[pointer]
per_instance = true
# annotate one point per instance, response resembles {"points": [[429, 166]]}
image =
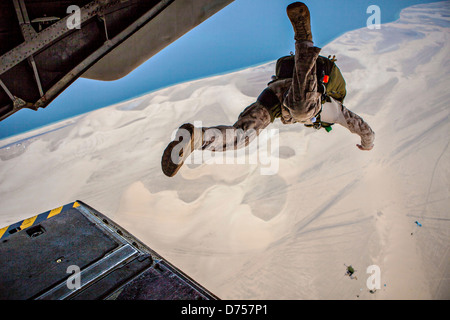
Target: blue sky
{"points": [[245, 33]]}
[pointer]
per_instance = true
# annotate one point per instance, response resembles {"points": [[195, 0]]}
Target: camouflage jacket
{"points": [[332, 112]]}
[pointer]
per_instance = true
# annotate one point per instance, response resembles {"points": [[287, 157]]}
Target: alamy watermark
{"points": [[74, 20], [374, 280], [230, 146], [374, 21], [74, 281]]}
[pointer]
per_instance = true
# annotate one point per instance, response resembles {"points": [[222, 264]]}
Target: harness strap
{"points": [[319, 123]]}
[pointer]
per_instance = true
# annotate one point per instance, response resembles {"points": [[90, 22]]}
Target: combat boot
{"points": [[300, 18], [187, 139]]}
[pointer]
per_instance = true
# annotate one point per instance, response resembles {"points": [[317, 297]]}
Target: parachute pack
{"points": [[331, 81]]}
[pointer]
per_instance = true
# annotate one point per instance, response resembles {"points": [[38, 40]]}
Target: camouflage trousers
{"points": [[250, 123], [303, 100], [299, 98]]}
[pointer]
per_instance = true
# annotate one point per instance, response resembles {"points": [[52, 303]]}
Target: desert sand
{"points": [[287, 235]]}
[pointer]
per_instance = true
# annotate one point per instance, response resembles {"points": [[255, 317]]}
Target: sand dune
{"points": [[244, 235]]}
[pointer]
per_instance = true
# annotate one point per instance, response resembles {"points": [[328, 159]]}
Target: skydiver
{"points": [[295, 100]]}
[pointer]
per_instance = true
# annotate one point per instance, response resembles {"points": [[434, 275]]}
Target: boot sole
{"points": [[296, 12], [295, 7], [169, 167]]}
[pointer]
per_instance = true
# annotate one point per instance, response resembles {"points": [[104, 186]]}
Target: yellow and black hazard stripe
{"points": [[21, 225]]}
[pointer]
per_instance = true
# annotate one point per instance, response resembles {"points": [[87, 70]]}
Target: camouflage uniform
{"points": [[299, 101], [291, 100]]}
